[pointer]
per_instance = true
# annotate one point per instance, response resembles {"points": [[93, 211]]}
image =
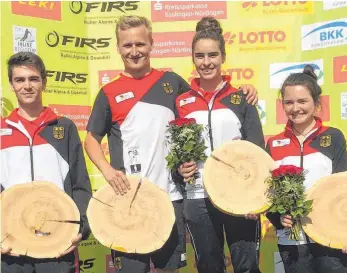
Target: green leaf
{"points": [[309, 203], [188, 147], [168, 158]]}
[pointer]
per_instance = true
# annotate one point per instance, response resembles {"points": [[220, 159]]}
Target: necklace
{"points": [[302, 134]]}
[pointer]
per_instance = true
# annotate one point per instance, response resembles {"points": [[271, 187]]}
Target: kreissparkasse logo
{"points": [[62, 76], [123, 6], [54, 39]]}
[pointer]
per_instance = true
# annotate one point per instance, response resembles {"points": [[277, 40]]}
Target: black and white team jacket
{"points": [[322, 153], [50, 152], [226, 115], [134, 114]]}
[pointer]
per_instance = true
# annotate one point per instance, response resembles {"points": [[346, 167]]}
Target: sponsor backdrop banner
{"points": [[265, 42]]}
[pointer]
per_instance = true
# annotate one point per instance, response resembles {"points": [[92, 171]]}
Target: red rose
{"points": [[276, 173], [293, 170], [286, 170], [189, 121], [177, 122], [182, 121]]}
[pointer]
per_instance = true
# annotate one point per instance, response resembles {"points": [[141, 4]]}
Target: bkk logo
{"points": [[123, 6], [280, 71], [334, 4], [252, 37], [325, 34], [61, 76], [53, 39]]}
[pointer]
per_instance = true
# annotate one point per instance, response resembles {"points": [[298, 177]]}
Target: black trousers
{"points": [[312, 258], [207, 225], [23, 264]]}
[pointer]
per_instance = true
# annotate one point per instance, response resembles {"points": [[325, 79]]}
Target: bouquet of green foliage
{"points": [[286, 192], [184, 136]]}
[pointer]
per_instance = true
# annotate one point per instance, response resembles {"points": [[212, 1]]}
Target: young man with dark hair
{"points": [[36, 144]]}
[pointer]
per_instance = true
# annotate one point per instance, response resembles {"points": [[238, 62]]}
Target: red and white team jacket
{"points": [[47, 149], [134, 114], [226, 115], [323, 153]]}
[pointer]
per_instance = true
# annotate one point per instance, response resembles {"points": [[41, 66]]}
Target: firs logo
{"points": [[61, 76], [54, 39], [122, 6]]}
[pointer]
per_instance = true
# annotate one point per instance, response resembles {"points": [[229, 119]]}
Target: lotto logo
{"points": [[340, 69]]}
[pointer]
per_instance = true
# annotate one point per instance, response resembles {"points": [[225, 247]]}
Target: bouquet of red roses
{"points": [[286, 192], [186, 143]]}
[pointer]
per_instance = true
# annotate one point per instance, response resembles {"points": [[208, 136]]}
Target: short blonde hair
{"points": [[132, 21]]}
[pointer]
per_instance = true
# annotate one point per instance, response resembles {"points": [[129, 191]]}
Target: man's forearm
{"points": [[95, 153]]}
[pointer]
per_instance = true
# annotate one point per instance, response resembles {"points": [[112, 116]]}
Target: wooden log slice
{"points": [[142, 229], [235, 177], [326, 223], [29, 219]]}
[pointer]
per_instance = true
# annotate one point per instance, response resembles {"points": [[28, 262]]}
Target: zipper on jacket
{"points": [[306, 238], [31, 161], [210, 127], [209, 107], [302, 154]]}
